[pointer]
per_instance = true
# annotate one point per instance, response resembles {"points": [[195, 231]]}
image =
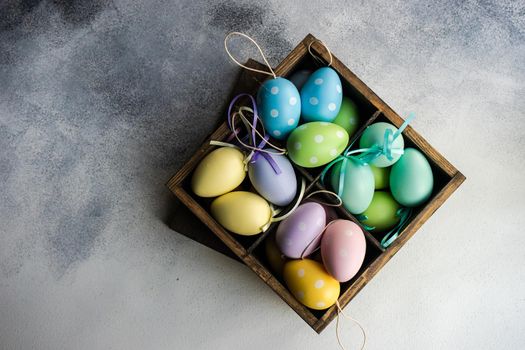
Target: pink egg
{"points": [[299, 234], [343, 249]]}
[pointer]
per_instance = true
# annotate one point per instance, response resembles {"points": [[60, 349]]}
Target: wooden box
{"points": [[250, 250]]}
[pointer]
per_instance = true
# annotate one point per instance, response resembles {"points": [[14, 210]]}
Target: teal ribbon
{"points": [[368, 155], [391, 236], [363, 217]]}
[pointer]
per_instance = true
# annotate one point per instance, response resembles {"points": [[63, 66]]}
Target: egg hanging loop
{"points": [[271, 72], [317, 58]]}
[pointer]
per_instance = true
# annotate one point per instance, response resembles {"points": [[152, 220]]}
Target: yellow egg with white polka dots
{"points": [[311, 284]]}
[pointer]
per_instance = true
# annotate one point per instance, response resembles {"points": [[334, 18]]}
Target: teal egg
{"points": [[411, 179], [279, 106], [321, 96], [374, 134], [358, 189]]}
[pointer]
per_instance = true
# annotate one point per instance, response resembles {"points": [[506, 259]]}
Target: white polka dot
{"points": [[352, 121], [314, 101], [291, 121], [340, 134], [275, 90], [288, 242], [343, 253], [319, 284], [331, 107], [277, 133], [313, 160], [318, 138], [318, 81], [303, 127], [338, 88], [301, 226], [297, 145], [320, 304], [292, 101], [300, 294], [349, 233], [274, 113], [300, 272], [333, 152]]}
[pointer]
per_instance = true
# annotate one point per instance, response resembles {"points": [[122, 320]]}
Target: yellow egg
{"points": [[245, 213], [311, 284], [219, 172]]}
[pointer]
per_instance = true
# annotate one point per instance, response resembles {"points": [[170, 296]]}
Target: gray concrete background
{"points": [[101, 101]]}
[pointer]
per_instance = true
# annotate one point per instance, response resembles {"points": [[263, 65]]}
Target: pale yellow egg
{"points": [[219, 172], [241, 212]]}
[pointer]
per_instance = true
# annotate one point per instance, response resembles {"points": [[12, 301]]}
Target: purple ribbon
{"points": [[258, 148]]}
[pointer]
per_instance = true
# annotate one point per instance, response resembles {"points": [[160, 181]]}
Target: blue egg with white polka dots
{"points": [[279, 106], [321, 96]]}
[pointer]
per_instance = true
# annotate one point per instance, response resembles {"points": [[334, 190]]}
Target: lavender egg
{"points": [[279, 189], [300, 234]]}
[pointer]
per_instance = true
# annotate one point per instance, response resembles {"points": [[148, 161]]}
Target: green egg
{"points": [[316, 143], [374, 134], [348, 117], [381, 213], [411, 179], [381, 177], [358, 188]]}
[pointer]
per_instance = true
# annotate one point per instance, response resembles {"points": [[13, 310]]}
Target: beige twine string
{"points": [[339, 200], [340, 312], [271, 72], [317, 58]]}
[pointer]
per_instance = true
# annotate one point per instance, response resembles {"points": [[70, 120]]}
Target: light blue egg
{"points": [[279, 106], [279, 189], [321, 96], [358, 188]]}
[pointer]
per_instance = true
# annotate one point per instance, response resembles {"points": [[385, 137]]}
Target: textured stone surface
{"points": [[101, 101]]}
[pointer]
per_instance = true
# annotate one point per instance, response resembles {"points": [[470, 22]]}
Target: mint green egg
{"points": [[358, 189], [348, 117], [411, 179], [381, 177], [316, 143], [381, 213], [374, 134]]}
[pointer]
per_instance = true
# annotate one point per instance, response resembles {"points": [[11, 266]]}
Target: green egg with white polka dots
{"points": [[316, 143]]}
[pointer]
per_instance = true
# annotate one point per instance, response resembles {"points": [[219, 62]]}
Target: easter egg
{"points": [[279, 106], [348, 117], [381, 177], [311, 284], [279, 189], [381, 213], [321, 96], [274, 256], [300, 77], [374, 134], [411, 179], [241, 212], [300, 233], [343, 248], [358, 186], [219, 172], [316, 143]]}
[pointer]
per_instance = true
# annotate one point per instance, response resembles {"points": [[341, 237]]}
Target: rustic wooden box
{"points": [[250, 250]]}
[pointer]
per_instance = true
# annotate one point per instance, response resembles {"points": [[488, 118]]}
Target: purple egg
{"points": [[331, 213], [279, 189], [299, 234]]}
